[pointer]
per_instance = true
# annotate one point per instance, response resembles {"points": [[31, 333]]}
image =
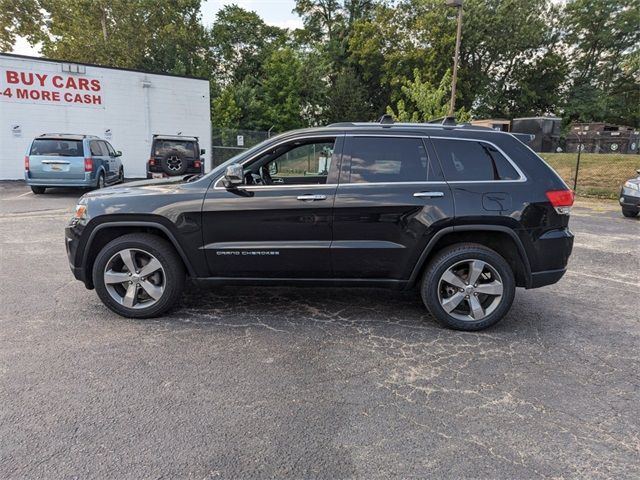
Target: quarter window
{"points": [[464, 160], [390, 159]]}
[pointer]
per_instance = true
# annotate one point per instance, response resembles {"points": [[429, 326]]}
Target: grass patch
{"points": [[601, 174]]}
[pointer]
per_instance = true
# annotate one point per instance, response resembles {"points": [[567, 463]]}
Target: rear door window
{"points": [[470, 160], [390, 159], [57, 147], [105, 148], [96, 149]]}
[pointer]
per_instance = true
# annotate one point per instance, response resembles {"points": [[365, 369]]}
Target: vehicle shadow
{"points": [[289, 309]]}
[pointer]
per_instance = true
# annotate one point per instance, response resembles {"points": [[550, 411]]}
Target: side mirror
{"points": [[273, 168], [118, 153], [233, 176], [202, 151], [638, 171]]}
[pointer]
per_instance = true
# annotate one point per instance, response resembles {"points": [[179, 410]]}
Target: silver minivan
{"points": [[66, 160]]}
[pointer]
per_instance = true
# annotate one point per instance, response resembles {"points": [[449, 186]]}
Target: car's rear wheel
{"points": [[468, 287], [627, 212], [121, 176], [138, 275], [100, 182], [38, 190]]}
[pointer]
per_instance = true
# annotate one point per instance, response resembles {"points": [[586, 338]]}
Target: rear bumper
{"points": [[552, 250], [87, 182], [549, 277]]}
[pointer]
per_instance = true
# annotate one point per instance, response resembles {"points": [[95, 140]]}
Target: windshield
{"points": [[162, 147], [57, 147]]}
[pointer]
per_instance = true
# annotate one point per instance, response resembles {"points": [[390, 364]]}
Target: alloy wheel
{"points": [[470, 290], [134, 278]]}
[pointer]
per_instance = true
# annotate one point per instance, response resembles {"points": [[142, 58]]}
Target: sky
{"points": [[273, 12]]}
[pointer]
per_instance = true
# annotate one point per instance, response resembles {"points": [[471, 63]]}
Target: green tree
{"points": [[603, 38], [241, 42], [422, 101], [158, 35]]}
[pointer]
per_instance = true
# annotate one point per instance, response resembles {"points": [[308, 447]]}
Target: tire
{"points": [[166, 280], [38, 190], [100, 182], [627, 212], [121, 176], [458, 260], [173, 163]]}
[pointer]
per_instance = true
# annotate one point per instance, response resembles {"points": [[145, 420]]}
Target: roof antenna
{"points": [[386, 119]]}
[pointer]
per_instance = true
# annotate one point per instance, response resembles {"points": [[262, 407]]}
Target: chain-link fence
{"points": [[227, 142]]}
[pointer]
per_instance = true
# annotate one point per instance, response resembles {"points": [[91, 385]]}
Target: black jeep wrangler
{"points": [[465, 213], [174, 155]]}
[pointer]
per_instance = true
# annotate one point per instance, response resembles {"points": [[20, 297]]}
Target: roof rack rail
{"points": [[447, 121]]}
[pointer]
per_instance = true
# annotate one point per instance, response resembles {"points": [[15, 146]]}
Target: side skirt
{"points": [[303, 282]]}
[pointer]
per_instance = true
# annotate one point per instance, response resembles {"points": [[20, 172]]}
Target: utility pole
{"points": [[454, 79]]}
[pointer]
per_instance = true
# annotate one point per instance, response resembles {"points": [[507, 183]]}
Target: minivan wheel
{"points": [[468, 287], [100, 182], [38, 190], [138, 275]]}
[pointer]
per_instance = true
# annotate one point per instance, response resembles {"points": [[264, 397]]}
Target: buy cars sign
{"points": [[40, 87]]}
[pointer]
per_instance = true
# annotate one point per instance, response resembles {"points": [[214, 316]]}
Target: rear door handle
{"points": [[429, 194], [311, 198]]}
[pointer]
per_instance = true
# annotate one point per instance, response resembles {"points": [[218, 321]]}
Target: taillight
{"points": [[152, 162], [196, 164], [26, 163], [88, 164], [562, 200]]}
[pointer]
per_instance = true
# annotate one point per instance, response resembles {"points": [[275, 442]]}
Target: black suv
{"points": [[174, 155], [464, 213]]}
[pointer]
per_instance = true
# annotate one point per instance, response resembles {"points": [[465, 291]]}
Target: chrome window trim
{"points": [[287, 140], [438, 182], [523, 177]]}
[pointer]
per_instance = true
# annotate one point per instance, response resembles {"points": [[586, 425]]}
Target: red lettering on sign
{"points": [[95, 85], [57, 81], [41, 78], [55, 96], [12, 77], [22, 93], [97, 100], [83, 84], [71, 83], [68, 97]]}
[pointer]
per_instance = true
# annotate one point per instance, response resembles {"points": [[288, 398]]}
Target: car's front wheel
{"points": [[468, 287], [138, 275], [628, 212], [38, 190]]}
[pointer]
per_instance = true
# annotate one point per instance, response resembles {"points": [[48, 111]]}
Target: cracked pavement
{"points": [[318, 383]]}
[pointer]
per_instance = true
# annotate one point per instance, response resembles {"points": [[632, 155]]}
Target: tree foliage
{"points": [[357, 59]]}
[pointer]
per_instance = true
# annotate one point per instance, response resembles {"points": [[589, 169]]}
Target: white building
{"points": [[125, 107]]}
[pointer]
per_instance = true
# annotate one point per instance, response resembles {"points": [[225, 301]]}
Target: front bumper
{"points": [[72, 235], [629, 198]]}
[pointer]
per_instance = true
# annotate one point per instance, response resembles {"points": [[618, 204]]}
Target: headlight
{"points": [[632, 186]]}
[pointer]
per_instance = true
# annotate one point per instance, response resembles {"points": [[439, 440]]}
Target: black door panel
{"points": [[380, 228], [278, 230]]}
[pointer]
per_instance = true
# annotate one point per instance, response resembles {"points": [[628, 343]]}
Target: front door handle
{"points": [[429, 194], [311, 198]]}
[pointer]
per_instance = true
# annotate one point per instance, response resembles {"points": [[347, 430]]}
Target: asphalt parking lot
{"points": [[327, 383]]}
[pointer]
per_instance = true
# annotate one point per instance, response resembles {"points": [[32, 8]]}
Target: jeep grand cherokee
{"points": [[466, 214]]}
